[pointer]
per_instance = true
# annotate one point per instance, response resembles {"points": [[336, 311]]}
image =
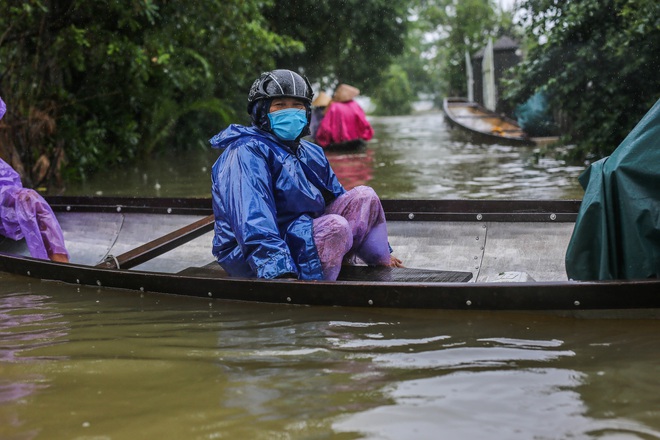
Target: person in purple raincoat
{"points": [[280, 211], [25, 214]]}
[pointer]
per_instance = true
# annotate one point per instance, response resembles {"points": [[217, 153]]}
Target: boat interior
{"points": [[472, 116], [489, 250]]}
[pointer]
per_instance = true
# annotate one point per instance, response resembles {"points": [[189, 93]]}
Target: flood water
{"points": [[410, 157], [87, 363]]}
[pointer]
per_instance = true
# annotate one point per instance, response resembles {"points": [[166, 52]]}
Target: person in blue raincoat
{"points": [[280, 211]]}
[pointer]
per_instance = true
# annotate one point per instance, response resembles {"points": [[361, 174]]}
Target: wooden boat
{"points": [[355, 145], [479, 254], [482, 124]]}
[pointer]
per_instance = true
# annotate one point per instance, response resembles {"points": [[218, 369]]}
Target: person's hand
{"points": [[395, 262], [58, 258]]}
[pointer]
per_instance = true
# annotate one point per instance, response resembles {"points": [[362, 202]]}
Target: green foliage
{"points": [[120, 79], [92, 84], [351, 41], [598, 62], [459, 26], [409, 76], [394, 96]]}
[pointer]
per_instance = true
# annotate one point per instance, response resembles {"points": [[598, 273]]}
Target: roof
{"points": [[502, 44]]}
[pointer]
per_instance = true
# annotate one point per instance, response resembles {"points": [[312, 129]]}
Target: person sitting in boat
{"points": [[344, 121], [319, 106], [25, 214], [280, 211]]}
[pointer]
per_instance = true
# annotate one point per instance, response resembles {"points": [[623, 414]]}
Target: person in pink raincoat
{"points": [[25, 214], [344, 120]]}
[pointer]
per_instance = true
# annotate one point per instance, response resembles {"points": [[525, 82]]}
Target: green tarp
{"points": [[617, 232], [534, 116]]}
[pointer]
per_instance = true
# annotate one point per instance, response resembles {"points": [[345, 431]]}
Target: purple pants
{"points": [[25, 214], [353, 226]]}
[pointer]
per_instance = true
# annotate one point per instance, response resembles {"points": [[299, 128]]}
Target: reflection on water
{"points": [[508, 404], [27, 323], [117, 365], [421, 157], [415, 156], [353, 169], [84, 363]]}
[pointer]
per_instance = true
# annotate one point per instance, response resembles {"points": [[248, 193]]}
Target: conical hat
{"points": [[345, 93], [322, 100]]}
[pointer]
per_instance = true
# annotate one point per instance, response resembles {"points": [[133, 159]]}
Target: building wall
{"points": [[504, 58]]}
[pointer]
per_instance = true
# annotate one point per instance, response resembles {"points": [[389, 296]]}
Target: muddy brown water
{"points": [[87, 363]]}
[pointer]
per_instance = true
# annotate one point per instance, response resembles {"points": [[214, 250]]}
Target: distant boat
{"points": [[347, 146], [482, 124]]}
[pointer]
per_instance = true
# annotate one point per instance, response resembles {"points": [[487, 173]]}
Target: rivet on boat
{"points": [[288, 298], [141, 289], [479, 216], [553, 216], [169, 210], [477, 238], [98, 282], [77, 280], [210, 294], [576, 303], [118, 208], [468, 302], [411, 216], [68, 208], [28, 272], [370, 302]]}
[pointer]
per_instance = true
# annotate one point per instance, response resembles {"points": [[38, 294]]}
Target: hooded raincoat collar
{"points": [[232, 133]]}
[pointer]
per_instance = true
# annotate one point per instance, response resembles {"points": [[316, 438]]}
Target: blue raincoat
{"points": [[264, 199]]}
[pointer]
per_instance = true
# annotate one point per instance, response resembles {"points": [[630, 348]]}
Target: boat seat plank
{"points": [[359, 273], [402, 275], [211, 270]]}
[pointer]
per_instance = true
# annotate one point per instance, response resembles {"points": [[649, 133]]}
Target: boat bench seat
{"points": [[359, 273]]}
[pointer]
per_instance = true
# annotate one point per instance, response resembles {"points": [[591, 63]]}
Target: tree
{"points": [[394, 96], [411, 75], [352, 41], [459, 26], [99, 83], [597, 61]]}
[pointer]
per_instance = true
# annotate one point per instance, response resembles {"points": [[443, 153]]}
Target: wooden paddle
{"points": [[159, 246]]}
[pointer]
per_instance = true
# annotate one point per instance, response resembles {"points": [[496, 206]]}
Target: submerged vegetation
{"points": [[91, 85]]}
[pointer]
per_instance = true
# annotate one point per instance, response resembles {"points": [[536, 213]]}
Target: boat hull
{"points": [[480, 237], [567, 296], [483, 125]]}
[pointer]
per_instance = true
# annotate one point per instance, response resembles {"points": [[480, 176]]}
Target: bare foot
{"points": [[395, 262], [59, 258]]}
